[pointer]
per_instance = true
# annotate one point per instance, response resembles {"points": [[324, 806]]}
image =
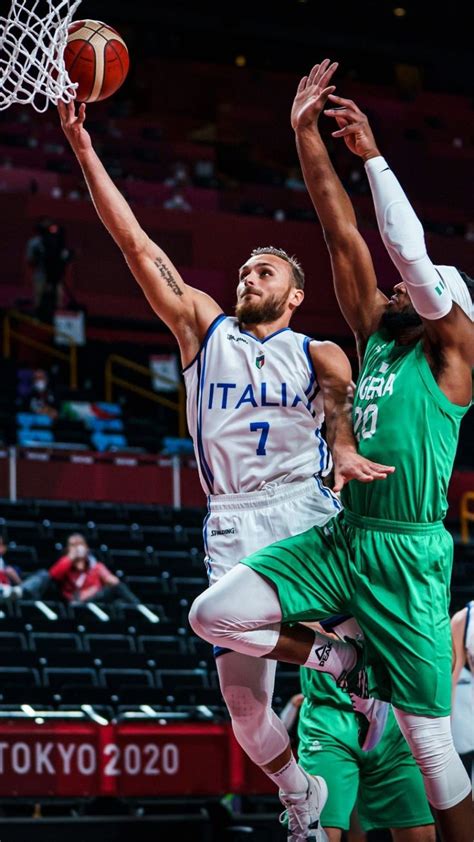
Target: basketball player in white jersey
{"points": [[462, 717], [462, 630], [257, 394]]}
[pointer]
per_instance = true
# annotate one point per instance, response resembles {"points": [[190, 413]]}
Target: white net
{"points": [[32, 42]]}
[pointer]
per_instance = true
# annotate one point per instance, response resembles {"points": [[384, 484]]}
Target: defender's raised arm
{"points": [[353, 272]]}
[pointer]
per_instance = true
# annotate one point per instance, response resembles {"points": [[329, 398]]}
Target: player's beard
{"points": [[253, 312], [398, 322]]}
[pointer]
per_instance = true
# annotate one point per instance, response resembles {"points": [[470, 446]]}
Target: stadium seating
{"points": [[120, 663]]}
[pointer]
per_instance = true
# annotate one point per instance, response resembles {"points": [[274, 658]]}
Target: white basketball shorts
{"points": [[237, 525]]}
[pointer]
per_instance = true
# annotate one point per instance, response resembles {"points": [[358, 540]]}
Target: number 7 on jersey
{"points": [[264, 426]]}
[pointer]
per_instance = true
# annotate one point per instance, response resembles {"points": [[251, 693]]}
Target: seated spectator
{"points": [[81, 578], [78, 576], [41, 400], [9, 576]]}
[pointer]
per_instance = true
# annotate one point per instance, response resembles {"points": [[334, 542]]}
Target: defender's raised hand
{"points": [[353, 127], [312, 94], [72, 125]]}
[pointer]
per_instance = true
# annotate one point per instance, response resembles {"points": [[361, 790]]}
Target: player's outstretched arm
{"points": [[353, 272], [431, 288], [187, 312], [333, 371]]}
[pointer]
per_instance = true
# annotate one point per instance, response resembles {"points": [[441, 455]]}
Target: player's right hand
{"points": [[348, 465], [72, 125], [312, 95]]}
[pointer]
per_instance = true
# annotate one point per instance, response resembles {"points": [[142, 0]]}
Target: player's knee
{"points": [[432, 745], [243, 704], [207, 617], [202, 616], [256, 727]]}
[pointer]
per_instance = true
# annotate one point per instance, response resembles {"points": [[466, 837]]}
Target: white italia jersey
{"points": [[254, 409]]}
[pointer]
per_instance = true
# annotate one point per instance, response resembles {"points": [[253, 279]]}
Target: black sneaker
{"points": [[371, 713]]}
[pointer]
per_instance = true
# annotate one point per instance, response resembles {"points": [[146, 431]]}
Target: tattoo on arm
{"points": [[167, 276]]}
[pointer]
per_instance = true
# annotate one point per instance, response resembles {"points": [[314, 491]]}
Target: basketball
{"points": [[96, 57]]}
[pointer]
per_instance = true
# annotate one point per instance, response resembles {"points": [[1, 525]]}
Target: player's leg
{"points": [[371, 713], [247, 686], [355, 832], [414, 834], [328, 746], [447, 785], [247, 683], [301, 578], [391, 793], [334, 834], [401, 597], [242, 612]]}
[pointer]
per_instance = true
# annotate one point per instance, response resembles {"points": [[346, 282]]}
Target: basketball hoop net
{"points": [[32, 46]]}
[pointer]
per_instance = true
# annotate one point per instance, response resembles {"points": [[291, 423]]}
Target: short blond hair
{"points": [[296, 268]]}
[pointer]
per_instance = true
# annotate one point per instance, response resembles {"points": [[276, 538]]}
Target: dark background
{"points": [[367, 37]]}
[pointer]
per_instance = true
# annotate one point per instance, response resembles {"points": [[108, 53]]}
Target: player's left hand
{"points": [[353, 125], [312, 95], [348, 464]]}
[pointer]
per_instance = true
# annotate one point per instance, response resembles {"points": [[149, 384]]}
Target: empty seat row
{"points": [[101, 513], [113, 535], [113, 678], [26, 685]]}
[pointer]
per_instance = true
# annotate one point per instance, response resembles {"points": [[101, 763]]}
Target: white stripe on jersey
{"points": [[469, 635], [254, 409]]}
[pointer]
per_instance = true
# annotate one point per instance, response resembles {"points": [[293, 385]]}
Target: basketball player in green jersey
{"points": [[386, 559], [385, 783]]}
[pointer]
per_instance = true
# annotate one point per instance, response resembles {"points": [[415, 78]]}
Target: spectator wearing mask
{"points": [[80, 577], [41, 400]]}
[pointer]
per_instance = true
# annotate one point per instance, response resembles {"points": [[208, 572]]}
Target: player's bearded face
{"points": [[260, 307], [400, 314], [396, 322]]}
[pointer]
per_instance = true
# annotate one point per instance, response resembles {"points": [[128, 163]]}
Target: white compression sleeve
{"points": [[445, 778], [403, 237]]}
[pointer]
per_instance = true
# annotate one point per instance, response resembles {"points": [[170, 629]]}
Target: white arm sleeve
{"points": [[403, 237]]}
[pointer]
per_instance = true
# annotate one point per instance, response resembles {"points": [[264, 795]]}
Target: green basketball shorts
{"points": [[393, 577], [385, 783]]}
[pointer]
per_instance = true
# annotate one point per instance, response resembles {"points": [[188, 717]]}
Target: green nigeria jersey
{"points": [[402, 418], [321, 689]]}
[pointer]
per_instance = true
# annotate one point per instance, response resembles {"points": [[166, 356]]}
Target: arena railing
{"points": [[112, 379], [10, 332], [466, 514]]}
